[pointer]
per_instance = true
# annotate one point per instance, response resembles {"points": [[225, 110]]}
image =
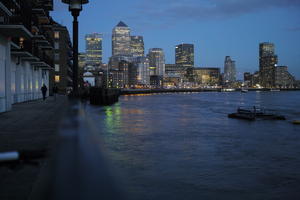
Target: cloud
{"points": [[207, 9]]}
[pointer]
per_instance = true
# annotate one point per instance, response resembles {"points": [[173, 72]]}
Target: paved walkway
{"points": [[29, 126]]}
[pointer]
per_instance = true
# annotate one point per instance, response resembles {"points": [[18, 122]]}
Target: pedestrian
{"points": [[55, 91], [44, 91]]}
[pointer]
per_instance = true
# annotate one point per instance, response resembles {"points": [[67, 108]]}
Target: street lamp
{"points": [[75, 6]]}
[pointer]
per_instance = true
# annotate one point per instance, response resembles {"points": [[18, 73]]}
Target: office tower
{"points": [[121, 40], [229, 70], [93, 46], [143, 73], [81, 60], [184, 55], [267, 63], [137, 46], [156, 62]]}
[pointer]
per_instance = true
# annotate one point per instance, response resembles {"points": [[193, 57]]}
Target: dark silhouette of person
{"points": [[44, 91], [55, 91]]}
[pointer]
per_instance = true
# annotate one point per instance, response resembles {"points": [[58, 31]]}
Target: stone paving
{"points": [[28, 126]]}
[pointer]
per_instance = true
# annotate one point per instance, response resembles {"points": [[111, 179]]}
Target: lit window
{"points": [[56, 35], [57, 79], [56, 67]]}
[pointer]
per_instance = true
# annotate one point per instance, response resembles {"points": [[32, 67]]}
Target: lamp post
{"points": [[75, 6]]}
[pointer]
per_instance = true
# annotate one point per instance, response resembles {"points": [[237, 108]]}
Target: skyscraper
{"points": [[184, 55], [93, 47], [143, 76], [121, 40], [156, 62], [137, 46], [267, 63], [229, 70]]}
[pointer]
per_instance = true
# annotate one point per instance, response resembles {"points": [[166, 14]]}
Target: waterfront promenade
{"points": [[28, 126]]}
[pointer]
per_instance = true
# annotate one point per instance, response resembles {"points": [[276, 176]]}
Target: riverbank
{"points": [[153, 91], [29, 126]]}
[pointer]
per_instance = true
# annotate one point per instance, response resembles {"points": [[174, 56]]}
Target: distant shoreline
{"points": [[155, 91]]}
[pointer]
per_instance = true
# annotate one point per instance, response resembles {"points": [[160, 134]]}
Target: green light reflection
{"points": [[113, 117]]}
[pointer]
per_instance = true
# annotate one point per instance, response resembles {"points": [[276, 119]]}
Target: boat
{"points": [[255, 113], [228, 90], [275, 90], [243, 90], [296, 122]]}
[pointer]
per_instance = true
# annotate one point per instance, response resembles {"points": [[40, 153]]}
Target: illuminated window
{"points": [[57, 79], [56, 35], [56, 67]]}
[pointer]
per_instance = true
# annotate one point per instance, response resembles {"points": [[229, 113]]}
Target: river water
{"points": [[183, 146]]}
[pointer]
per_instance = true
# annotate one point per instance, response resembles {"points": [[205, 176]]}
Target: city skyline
{"points": [[213, 38]]}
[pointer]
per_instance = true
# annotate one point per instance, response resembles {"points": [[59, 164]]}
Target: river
{"points": [[182, 146]]}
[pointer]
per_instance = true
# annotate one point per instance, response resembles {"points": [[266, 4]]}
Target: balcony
{"points": [[19, 22], [42, 15], [45, 4]]}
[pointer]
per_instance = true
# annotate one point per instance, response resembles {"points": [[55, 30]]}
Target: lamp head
{"points": [[75, 5]]}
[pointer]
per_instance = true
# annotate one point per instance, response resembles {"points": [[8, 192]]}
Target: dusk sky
{"points": [[217, 28]]}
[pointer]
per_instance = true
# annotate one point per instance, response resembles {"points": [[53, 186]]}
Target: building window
{"points": [[56, 35], [57, 79], [56, 67], [56, 45], [56, 56]]}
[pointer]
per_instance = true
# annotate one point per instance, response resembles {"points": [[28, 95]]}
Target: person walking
{"points": [[44, 91], [55, 91]]}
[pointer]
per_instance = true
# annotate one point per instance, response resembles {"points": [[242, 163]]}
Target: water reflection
{"points": [[183, 146]]}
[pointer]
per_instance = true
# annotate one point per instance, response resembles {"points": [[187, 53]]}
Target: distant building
{"points": [[174, 75], [93, 48], [184, 55], [137, 46], [157, 62], [121, 40], [115, 60], [229, 70], [124, 74], [156, 81], [267, 63], [206, 76], [63, 63], [283, 79], [81, 60], [143, 71]]}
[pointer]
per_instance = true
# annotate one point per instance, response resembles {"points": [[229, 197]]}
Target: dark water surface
{"points": [[183, 146]]}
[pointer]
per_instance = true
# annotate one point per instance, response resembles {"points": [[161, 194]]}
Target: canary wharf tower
{"points": [[121, 40]]}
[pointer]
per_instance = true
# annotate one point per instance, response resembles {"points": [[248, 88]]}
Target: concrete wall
{"points": [[5, 91]]}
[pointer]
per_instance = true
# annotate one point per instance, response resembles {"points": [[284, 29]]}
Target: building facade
{"points": [[137, 46], [143, 71], [93, 49], [63, 63], [267, 63], [26, 50], [156, 58], [229, 70], [121, 40], [283, 79], [207, 76], [184, 55]]}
